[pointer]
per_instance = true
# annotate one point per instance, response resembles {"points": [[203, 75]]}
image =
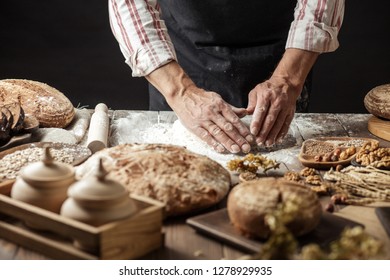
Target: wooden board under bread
{"points": [[379, 127], [217, 225]]}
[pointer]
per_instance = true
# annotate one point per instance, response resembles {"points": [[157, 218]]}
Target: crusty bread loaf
{"points": [[249, 202], [183, 180], [51, 107], [377, 101]]}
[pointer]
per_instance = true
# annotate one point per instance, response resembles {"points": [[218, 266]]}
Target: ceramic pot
{"points": [[44, 183], [97, 200]]}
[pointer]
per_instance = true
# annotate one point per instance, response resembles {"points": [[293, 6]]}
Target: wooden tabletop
{"points": [[183, 242]]}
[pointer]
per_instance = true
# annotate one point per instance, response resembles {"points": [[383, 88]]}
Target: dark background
{"points": [[69, 45]]}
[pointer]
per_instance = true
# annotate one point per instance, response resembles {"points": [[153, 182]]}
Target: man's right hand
{"points": [[202, 112]]}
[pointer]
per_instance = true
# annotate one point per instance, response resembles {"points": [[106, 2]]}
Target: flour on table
{"points": [[52, 134], [72, 134], [138, 129]]}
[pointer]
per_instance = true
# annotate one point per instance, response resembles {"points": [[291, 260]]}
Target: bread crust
{"points": [[249, 202], [377, 101], [183, 180], [51, 107]]}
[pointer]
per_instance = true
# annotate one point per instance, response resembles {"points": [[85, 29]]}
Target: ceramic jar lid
{"points": [[47, 170], [97, 200], [98, 188]]}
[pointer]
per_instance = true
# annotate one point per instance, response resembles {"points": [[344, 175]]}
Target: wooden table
{"points": [[183, 242]]}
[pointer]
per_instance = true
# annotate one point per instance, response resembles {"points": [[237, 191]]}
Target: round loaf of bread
{"points": [[377, 101], [184, 181], [249, 202], [50, 106]]}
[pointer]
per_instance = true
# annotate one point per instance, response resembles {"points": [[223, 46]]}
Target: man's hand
{"points": [[204, 113], [273, 106], [213, 120], [272, 102]]}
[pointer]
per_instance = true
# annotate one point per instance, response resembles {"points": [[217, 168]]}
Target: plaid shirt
{"points": [[145, 43]]}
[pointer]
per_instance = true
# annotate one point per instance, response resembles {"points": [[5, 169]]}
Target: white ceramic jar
{"points": [[44, 183], [97, 200]]}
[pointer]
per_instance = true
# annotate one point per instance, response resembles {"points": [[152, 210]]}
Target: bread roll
{"points": [[249, 202], [184, 181], [377, 101], [51, 107]]}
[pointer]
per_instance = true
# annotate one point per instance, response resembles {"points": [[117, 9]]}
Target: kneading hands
{"points": [[216, 122]]}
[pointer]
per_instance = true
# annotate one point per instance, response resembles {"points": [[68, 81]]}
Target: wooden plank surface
{"points": [[183, 242]]}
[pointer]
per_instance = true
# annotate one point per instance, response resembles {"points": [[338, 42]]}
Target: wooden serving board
{"points": [[217, 225], [379, 127]]}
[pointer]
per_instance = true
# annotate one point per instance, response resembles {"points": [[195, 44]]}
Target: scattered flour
{"points": [[138, 129]]}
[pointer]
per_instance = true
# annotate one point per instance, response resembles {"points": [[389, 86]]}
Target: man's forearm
{"points": [[294, 66], [170, 80]]}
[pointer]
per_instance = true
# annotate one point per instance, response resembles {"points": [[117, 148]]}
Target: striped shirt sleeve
{"points": [[141, 34], [316, 25]]}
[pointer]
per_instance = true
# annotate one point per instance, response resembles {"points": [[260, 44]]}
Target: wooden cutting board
{"points": [[379, 127], [216, 224]]}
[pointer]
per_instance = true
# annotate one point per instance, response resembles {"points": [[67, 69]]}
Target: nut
{"points": [[307, 171], [313, 180], [334, 158], [339, 167], [343, 155], [292, 176]]}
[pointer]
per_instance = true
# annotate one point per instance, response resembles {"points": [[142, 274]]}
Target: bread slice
{"points": [[17, 114], [5, 127]]}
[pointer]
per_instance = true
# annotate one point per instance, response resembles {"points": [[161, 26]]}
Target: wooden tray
{"points": [[124, 239], [337, 142], [217, 225]]}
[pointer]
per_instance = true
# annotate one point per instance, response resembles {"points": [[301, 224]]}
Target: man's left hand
{"points": [[272, 104]]}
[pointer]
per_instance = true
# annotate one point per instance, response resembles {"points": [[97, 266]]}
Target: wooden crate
{"points": [[129, 238]]}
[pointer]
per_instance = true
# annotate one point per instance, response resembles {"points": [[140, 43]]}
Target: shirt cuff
{"points": [[145, 60], [313, 36]]}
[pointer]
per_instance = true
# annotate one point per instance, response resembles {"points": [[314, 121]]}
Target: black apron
{"points": [[227, 46]]}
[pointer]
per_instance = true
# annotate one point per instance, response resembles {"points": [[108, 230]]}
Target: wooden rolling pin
{"points": [[98, 128]]}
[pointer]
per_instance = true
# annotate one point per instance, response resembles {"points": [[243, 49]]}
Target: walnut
{"points": [[374, 156], [307, 171], [292, 176], [320, 190], [313, 180]]}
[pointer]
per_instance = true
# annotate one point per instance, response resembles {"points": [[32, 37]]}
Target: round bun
{"points": [[184, 181], [377, 101], [51, 107], [249, 202]]}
